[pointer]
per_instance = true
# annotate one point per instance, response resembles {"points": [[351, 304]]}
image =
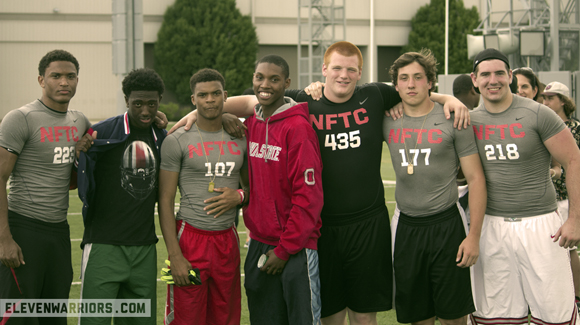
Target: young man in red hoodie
{"points": [[283, 214]]}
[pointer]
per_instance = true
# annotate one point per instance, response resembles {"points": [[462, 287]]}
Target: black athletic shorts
{"points": [[427, 279], [356, 266], [48, 273], [292, 297]]}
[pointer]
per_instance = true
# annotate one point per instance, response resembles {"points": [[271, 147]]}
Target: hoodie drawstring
{"points": [[267, 122]]}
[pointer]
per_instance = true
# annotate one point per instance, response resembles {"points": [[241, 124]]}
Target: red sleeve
{"points": [[305, 175]]}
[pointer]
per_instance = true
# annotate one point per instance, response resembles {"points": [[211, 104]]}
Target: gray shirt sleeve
{"points": [[171, 154], [464, 141], [549, 123], [14, 131]]}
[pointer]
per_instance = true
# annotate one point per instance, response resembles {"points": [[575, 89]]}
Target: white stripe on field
{"points": [[385, 183], [158, 280], [239, 232], [158, 236], [80, 213], [78, 283]]}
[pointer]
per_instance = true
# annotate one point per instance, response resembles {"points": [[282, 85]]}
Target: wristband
{"points": [[242, 196]]}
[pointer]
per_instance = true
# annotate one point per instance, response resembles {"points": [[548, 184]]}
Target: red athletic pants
{"points": [[218, 299]]}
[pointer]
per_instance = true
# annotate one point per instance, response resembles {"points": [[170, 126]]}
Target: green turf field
{"points": [[76, 225]]}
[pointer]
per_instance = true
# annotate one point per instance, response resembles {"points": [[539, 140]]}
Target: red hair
{"points": [[346, 49]]}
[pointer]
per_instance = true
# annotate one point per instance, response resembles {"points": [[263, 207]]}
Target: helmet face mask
{"points": [[138, 170]]}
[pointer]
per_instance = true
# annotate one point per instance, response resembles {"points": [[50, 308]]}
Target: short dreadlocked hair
{"points": [[143, 80]]}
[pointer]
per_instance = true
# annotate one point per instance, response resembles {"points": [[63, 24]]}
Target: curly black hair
{"points": [[143, 79], [206, 75], [56, 55], [462, 85]]}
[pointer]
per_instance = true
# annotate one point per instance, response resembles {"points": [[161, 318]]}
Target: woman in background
{"points": [[528, 83]]}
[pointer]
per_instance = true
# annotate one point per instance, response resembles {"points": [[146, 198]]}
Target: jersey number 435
{"points": [[343, 141]]}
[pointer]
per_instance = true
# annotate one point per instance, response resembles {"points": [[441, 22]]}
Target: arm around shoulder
{"points": [[452, 104], [241, 106]]}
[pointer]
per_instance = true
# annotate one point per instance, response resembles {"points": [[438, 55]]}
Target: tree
{"points": [[428, 31], [198, 34]]}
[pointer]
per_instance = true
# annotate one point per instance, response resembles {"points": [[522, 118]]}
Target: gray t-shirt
{"points": [[435, 155], [515, 161], [44, 141], [184, 152]]}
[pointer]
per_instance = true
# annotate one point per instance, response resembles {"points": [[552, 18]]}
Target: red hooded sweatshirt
{"points": [[285, 169]]}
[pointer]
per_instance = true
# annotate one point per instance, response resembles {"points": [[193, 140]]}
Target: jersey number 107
{"points": [[220, 168]]}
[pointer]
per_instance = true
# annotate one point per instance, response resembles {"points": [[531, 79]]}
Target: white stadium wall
{"points": [[30, 28]]}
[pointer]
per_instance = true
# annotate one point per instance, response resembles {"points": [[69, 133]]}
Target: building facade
{"points": [[30, 28]]}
